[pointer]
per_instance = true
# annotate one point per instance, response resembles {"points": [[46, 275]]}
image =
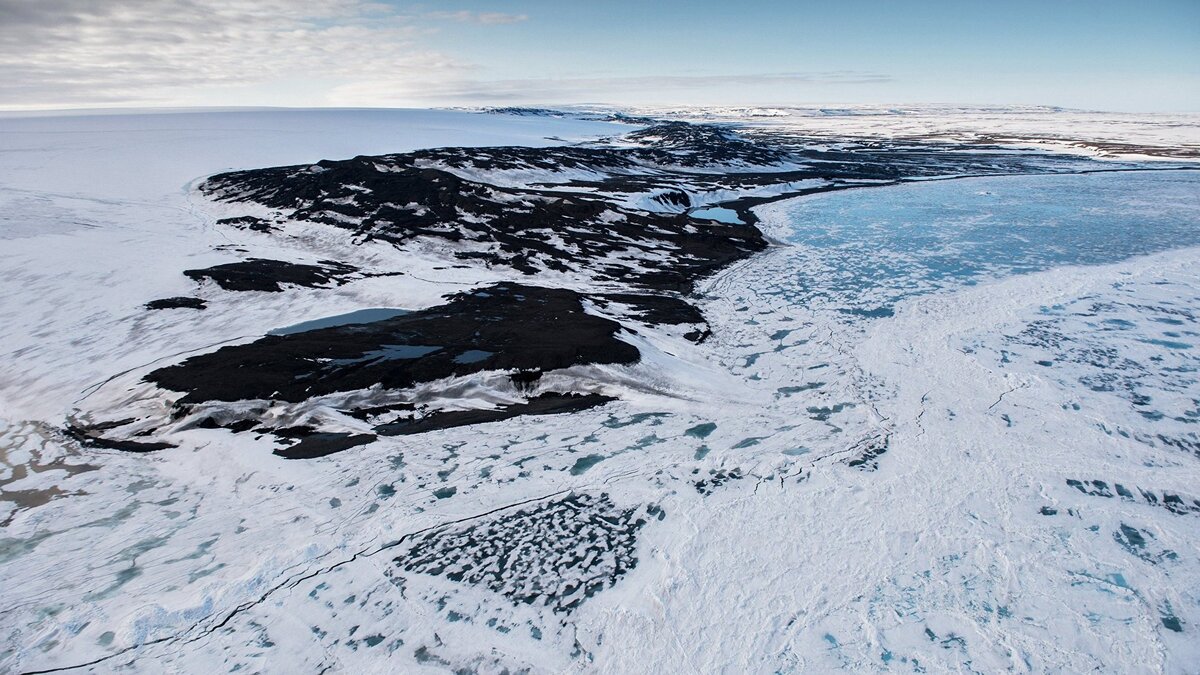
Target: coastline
{"points": [[747, 456]]}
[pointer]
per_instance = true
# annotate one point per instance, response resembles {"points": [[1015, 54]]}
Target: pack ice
{"points": [[592, 390]]}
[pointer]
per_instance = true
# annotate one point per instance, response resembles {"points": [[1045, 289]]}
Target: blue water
{"points": [[719, 214], [472, 356], [866, 248], [388, 353], [358, 316]]}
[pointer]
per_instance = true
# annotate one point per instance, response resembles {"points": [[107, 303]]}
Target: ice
{"points": [[472, 356], [357, 316], [718, 213], [949, 426], [1088, 132], [863, 250]]}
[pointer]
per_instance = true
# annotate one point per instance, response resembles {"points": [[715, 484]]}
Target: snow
{"points": [[773, 539], [1061, 130], [149, 155], [100, 207]]}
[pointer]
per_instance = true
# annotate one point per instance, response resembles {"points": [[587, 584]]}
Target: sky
{"points": [[1129, 55]]}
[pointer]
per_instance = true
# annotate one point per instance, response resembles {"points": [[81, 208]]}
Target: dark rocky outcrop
{"points": [[258, 274], [502, 327], [550, 403], [392, 199], [177, 303]]}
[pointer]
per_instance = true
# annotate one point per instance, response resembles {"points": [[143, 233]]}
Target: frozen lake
{"points": [[1012, 365], [719, 214], [865, 249], [349, 318]]}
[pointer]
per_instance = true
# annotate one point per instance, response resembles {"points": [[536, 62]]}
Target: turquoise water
{"points": [[867, 248], [719, 214]]}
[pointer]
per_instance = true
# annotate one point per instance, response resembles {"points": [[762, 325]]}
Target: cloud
{"points": [[66, 52], [614, 89], [487, 18], [301, 52]]}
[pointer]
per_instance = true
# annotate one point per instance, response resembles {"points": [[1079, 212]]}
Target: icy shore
{"points": [[997, 473]]}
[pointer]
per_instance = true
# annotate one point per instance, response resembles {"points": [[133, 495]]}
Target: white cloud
{"points": [[488, 18], [300, 52], [574, 89], [64, 52]]}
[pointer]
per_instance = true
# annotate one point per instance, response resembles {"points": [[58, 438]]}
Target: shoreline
{"points": [[734, 465]]}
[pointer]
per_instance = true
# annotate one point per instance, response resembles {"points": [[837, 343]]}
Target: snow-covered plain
{"points": [[97, 217], [1124, 135], [879, 460]]}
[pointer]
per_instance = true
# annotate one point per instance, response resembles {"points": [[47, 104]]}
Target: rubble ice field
{"points": [[640, 391]]}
